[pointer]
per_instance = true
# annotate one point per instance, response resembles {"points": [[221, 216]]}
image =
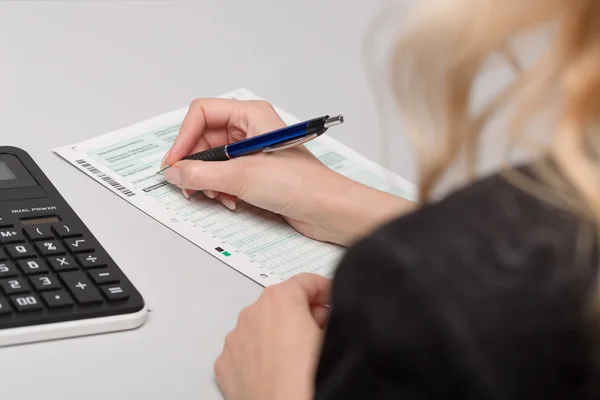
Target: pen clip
{"points": [[290, 144]]}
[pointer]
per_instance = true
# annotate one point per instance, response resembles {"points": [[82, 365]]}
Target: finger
{"points": [[232, 120], [187, 193], [222, 371], [202, 114], [320, 314], [219, 176], [316, 288], [227, 200]]}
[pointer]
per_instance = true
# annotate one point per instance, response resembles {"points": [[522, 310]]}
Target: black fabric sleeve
{"points": [[478, 296], [383, 339]]}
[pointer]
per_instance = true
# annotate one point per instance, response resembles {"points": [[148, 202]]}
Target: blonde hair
{"points": [[442, 53]]}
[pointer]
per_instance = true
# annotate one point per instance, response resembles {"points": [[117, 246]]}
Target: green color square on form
{"points": [[226, 253]]}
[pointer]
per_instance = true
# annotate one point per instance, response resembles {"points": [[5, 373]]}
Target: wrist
{"points": [[354, 210]]}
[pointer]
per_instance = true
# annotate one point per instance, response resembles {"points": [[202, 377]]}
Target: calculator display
{"points": [[5, 172], [42, 220]]}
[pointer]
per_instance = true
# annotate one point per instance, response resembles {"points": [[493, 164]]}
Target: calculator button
{"points": [[45, 282], [31, 267], [115, 292], [4, 307], [57, 299], [91, 260], [104, 275], [41, 232], [78, 245], [14, 286], [3, 255], [11, 236], [6, 222], [17, 251], [62, 263], [65, 230], [49, 247], [7, 270], [83, 290], [26, 302]]}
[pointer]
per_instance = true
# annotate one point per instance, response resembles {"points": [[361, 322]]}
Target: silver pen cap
{"points": [[333, 121]]}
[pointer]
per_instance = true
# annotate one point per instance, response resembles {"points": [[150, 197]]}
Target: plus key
{"points": [[83, 290]]}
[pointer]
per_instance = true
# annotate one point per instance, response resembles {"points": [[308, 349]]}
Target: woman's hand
{"points": [[273, 351], [315, 200]]}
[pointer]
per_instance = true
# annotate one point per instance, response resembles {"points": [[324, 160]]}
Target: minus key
{"points": [[103, 276]]}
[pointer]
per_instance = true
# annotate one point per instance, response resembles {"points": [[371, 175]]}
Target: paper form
{"points": [[259, 244]]}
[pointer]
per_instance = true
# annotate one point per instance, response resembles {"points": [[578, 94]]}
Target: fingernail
{"points": [[172, 175], [209, 194], [227, 202], [162, 163], [185, 193]]}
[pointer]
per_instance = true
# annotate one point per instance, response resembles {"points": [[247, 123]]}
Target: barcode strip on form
{"points": [[105, 178]]}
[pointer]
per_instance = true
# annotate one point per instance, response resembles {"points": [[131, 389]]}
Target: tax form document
{"points": [[259, 244]]}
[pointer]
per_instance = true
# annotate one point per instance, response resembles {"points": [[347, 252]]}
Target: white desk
{"points": [[73, 69]]}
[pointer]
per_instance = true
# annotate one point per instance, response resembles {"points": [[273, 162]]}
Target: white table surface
{"points": [[70, 70]]}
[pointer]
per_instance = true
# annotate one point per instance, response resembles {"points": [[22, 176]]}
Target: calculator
{"points": [[56, 279]]}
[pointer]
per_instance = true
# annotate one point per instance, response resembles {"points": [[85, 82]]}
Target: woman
{"points": [[489, 293]]}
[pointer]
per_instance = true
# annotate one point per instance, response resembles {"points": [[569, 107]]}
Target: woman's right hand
{"points": [[315, 200]]}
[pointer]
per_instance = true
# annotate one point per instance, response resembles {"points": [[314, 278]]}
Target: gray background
{"points": [[75, 69]]}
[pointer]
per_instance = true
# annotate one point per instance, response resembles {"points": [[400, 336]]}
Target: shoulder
{"points": [[488, 277], [489, 247], [491, 221]]}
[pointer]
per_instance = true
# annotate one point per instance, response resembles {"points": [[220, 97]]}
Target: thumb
{"points": [[219, 176], [314, 289], [320, 313]]}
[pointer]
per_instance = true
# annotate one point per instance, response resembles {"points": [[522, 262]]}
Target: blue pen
{"points": [[280, 139]]}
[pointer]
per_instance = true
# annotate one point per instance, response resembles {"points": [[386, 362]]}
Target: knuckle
{"points": [[196, 103], [218, 366], [243, 316], [271, 292], [264, 106], [189, 175], [229, 340]]}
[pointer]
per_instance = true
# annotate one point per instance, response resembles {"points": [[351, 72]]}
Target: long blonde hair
{"points": [[440, 56], [435, 67]]}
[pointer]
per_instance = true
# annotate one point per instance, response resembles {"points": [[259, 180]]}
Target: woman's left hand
{"points": [[273, 351]]}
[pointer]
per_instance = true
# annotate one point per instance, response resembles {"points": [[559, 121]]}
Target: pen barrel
{"points": [[215, 154], [256, 144]]}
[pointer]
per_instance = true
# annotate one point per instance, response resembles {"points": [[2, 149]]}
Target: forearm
{"points": [[355, 210]]}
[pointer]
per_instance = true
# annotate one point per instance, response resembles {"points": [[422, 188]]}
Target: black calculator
{"points": [[56, 279]]}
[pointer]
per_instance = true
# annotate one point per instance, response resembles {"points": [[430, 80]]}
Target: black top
{"points": [[479, 296]]}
